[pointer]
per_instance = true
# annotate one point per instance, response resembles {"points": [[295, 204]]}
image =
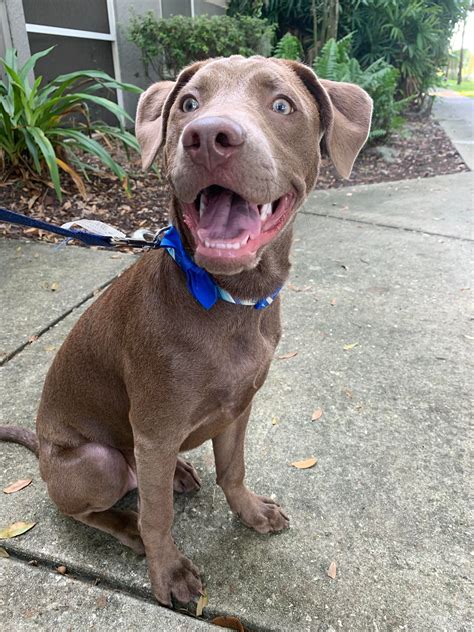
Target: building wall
{"points": [[130, 63], [176, 7], [5, 39], [12, 29], [218, 7], [130, 68]]}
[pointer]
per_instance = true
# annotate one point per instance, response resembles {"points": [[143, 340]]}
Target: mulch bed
{"points": [[419, 150]]}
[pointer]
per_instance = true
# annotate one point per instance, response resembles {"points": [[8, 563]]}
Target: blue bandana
{"points": [[199, 282]]}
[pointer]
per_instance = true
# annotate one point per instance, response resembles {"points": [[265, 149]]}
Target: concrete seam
{"points": [[54, 322], [379, 225], [75, 573]]}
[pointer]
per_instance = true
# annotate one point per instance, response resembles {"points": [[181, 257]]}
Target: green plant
{"points": [[167, 45], [312, 21], [44, 128], [379, 80], [245, 7], [289, 47], [412, 35]]}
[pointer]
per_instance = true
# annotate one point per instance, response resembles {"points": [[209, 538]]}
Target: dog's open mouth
{"points": [[224, 224]]}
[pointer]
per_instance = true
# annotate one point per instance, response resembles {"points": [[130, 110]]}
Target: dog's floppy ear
{"points": [[153, 111], [148, 122], [346, 113]]}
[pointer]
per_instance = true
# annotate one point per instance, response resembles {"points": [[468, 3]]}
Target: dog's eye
{"points": [[189, 105], [282, 106]]}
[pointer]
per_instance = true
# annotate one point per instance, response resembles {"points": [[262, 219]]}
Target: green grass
{"points": [[466, 88]]}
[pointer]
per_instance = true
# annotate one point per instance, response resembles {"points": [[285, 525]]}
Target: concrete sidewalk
{"points": [[379, 309], [456, 115]]}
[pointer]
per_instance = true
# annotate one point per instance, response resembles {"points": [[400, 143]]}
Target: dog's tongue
{"points": [[227, 216]]}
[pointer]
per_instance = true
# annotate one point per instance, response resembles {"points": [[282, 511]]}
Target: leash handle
{"points": [[88, 238]]}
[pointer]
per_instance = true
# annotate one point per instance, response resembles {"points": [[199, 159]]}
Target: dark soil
{"points": [[420, 150]]}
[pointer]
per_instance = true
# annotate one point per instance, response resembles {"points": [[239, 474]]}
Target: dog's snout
{"points": [[210, 141]]}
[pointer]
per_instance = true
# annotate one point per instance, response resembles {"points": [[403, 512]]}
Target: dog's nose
{"points": [[211, 140]]}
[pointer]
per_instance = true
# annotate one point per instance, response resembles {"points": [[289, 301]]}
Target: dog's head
{"points": [[242, 141]]}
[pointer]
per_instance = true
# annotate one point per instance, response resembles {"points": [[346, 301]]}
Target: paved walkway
{"points": [[379, 310], [456, 114]]}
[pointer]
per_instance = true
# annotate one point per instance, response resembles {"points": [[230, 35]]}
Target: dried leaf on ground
{"points": [[32, 200], [202, 603], [17, 528], [350, 346], [3, 553], [305, 463], [231, 623], [287, 356], [317, 414], [296, 288], [17, 485], [332, 570]]}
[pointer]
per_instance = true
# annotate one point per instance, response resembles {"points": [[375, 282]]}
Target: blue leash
{"points": [[90, 239], [199, 282]]}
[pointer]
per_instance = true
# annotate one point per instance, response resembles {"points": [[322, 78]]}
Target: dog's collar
{"points": [[199, 282]]}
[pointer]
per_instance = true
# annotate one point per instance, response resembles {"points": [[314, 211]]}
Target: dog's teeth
{"points": [[265, 212], [202, 204], [234, 245]]}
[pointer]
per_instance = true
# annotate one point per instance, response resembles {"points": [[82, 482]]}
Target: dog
{"points": [[173, 352]]}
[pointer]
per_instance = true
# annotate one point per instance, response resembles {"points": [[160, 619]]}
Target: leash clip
{"points": [[139, 239]]}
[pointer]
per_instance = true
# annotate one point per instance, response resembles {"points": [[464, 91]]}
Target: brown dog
{"points": [[147, 372]]}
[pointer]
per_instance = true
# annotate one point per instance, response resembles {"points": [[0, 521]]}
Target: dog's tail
{"points": [[25, 437]]}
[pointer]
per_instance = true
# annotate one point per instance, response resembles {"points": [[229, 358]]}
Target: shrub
{"points": [[379, 79], [43, 127], [167, 45], [289, 47], [412, 35]]}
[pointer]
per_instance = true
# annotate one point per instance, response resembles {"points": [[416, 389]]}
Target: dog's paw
{"points": [[176, 581], [186, 478], [262, 514]]}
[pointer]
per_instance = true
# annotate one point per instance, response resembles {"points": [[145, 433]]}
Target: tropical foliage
{"points": [[48, 128], [413, 36], [289, 47], [379, 79]]}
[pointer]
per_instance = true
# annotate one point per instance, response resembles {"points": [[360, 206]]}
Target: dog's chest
{"points": [[227, 376]]}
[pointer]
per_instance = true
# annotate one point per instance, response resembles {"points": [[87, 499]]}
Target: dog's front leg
{"points": [[172, 575], [259, 512]]}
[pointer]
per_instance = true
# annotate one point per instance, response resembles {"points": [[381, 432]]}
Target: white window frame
{"points": [[92, 35]]}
